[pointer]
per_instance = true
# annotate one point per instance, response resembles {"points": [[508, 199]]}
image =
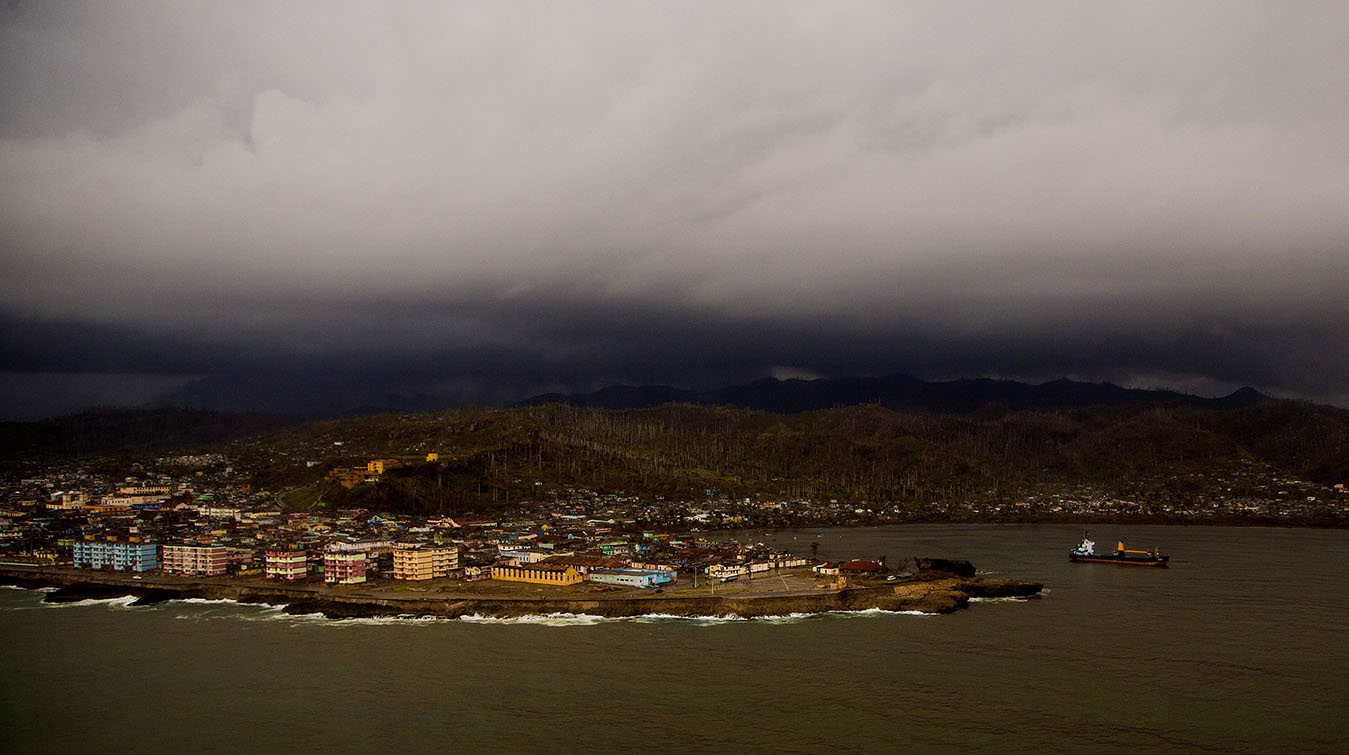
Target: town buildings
{"points": [[859, 566], [727, 572], [219, 523]]}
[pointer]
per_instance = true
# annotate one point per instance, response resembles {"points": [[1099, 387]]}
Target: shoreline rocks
{"points": [[941, 594]]}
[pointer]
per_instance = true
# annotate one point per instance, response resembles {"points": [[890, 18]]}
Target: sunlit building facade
{"points": [[345, 567], [286, 563], [538, 574], [195, 560], [424, 562]]}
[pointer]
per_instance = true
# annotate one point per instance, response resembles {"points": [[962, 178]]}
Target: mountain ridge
{"points": [[897, 392]]}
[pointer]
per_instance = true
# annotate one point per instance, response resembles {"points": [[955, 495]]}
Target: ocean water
{"points": [[1238, 647]]}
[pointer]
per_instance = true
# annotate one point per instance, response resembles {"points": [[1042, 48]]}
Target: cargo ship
{"points": [[1085, 553]]}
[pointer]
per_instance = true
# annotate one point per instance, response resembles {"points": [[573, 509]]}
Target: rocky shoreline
{"points": [[929, 594]]}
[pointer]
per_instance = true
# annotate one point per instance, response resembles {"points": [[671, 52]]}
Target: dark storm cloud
{"points": [[480, 202]]}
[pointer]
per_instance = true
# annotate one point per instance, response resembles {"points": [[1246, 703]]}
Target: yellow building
{"points": [[348, 477], [157, 491], [107, 508], [538, 574], [433, 456], [424, 562], [380, 466]]}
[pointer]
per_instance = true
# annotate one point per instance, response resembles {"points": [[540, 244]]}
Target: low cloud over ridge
{"points": [[479, 202]]}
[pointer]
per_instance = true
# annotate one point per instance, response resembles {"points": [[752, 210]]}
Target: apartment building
{"points": [[195, 560], [424, 562], [286, 563], [116, 556], [344, 567]]}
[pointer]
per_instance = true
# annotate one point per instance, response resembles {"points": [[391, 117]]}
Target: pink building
{"points": [[344, 567], [195, 560]]}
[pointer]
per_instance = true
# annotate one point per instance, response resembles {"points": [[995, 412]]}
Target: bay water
{"points": [[1239, 646]]}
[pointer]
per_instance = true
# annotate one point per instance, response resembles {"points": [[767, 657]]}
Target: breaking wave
{"points": [[207, 609], [277, 613], [549, 619], [572, 619], [223, 602], [124, 601], [883, 612], [402, 620], [28, 589]]}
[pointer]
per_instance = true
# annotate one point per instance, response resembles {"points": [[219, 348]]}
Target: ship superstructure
{"points": [[1085, 552]]}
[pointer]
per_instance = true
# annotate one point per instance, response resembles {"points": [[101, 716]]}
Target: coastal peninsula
{"points": [[930, 592]]}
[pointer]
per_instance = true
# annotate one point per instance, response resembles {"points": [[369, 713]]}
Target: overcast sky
{"points": [[485, 201]]}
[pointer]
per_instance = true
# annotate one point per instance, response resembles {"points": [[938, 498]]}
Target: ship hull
{"points": [[1146, 561]]}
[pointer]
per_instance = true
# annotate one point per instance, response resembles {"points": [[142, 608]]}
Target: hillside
{"points": [[489, 457], [1155, 455]]}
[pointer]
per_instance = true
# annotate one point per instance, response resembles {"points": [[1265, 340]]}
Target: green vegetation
{"points": [[302, 498]]}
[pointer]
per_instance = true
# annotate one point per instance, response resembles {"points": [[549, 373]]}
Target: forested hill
{"points": [[859, 453], [491, 457]]}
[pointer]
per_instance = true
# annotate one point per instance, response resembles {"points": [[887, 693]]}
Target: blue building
{"points": [[631, 577], [116, 556]]}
